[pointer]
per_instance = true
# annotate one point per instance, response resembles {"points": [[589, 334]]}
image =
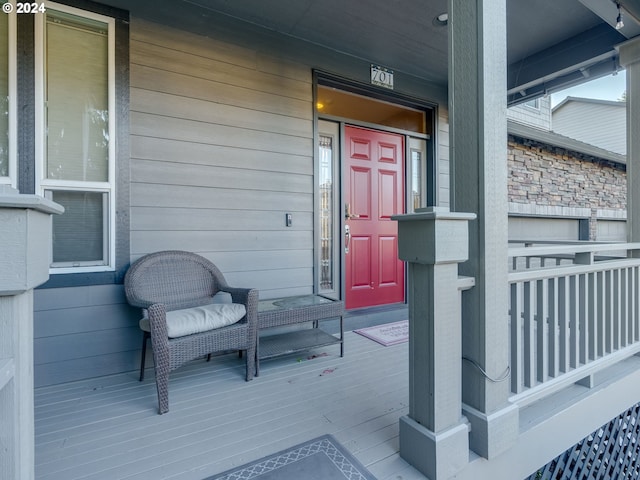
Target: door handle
{"points": [[347, 212], [347, 238]]}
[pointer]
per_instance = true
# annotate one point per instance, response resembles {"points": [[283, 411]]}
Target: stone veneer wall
{"points": [[543, 175]]}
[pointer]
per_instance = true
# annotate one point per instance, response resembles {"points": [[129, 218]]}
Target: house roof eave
{"points": [[556, 140]]}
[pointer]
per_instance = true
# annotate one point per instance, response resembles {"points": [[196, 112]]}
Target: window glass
{"points": [[77, 99], [417, 180], [78, 235], [4, 95], [326, 214], [339, 103]]}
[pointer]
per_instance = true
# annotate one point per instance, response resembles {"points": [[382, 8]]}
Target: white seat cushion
{"points": [[200, 319]]}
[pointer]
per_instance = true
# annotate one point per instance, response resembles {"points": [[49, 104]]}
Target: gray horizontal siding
{"points": [[219, 114], [149, 195], [174, 173], [220, 241], [181, 219], [602, 125], [188, 153], [534, 117], [87, 367], [443, 198], [83, 332], [226, 52], [155, 126], [222, 148], [85, 345]]}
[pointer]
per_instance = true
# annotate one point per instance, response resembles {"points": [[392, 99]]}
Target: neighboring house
{"points": [[602, 123], [561, 188], [202, 125], [534, 113]]}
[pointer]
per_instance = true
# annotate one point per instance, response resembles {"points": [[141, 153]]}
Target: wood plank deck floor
{"points": [[108, 429]]}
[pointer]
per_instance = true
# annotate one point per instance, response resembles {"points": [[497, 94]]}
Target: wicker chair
{"points": [[172, 281]]}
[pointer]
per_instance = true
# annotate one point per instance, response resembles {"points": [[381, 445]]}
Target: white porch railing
{"points": [[571, 319]]}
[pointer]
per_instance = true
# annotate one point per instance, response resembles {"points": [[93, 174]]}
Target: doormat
{"points": [[387, 334], [322, 458]]}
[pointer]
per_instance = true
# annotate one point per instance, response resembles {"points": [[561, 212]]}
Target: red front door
{"points": [[373, 193]]}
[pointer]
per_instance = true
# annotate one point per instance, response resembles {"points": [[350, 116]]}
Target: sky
{"points": [[610, 87]]}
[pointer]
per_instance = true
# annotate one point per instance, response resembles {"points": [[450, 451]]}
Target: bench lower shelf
{"points": [[298, 341]]}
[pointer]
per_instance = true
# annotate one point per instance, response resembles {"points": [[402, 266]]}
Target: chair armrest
{"points": [[249, 298], [246, 296], [238, 295]]}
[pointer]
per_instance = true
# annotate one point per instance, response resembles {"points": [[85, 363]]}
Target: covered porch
{"points": [[523, 381], [108, 427]]}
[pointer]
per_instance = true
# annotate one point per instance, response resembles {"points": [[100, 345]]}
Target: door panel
{"points": [[360, 264], [361, 192], [373, 193], [387, 194], [388, 265]]}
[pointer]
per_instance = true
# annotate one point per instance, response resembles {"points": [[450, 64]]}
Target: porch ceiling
{"points": [[551, 44]]}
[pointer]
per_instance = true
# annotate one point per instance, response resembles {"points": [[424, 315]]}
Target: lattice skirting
{"points": [[611, 452]]}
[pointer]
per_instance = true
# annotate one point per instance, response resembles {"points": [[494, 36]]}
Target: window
{"points": [[327, 256], [7, 104], [417, 173], [75, 131], [535, 103]]}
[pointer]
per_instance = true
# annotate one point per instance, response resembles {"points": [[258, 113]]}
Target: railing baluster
{"points": [[635, 303], [608, 316], [626, 305], [592, 312], [583, 328], [554, 347], [542, 310], [600, 314], [563, 322], [528, 336], [617, 321], [516, 337], [573, 323]]}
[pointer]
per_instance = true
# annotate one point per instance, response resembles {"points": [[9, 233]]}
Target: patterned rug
{"points": [[387, 334], [322, 458]]}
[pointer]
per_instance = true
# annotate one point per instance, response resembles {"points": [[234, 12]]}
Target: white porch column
{"points": [[478, 139], [434, 437], [25, 257], [630, 59]]}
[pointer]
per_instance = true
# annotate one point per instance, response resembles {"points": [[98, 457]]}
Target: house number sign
{"points": [[381, 77]]}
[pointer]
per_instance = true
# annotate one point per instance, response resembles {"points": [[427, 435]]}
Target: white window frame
{"points": [[415, 144], [11, 179], [43, 184], [329, 129]]}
